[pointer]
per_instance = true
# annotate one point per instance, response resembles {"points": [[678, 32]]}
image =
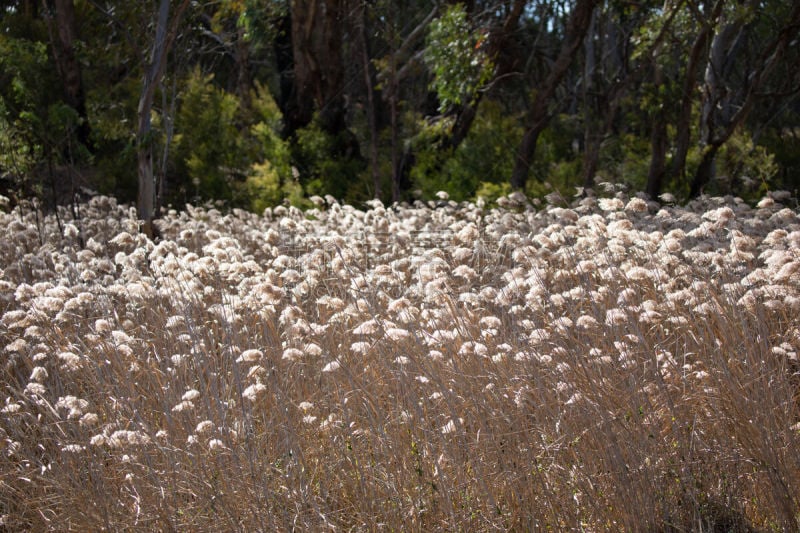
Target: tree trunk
{"points": [[147, 190], [168, 106], [591, 157], [539, 115], [705, 170], [616, 57], [68, 67], [500, 40], [397, 172], [461, 126], [683, 124], [284, 61], [658, 159], [402, 55], [370, 106], [332, 105], [318, 67], [243, 77], [503, 47], [527, 149], [306, 69], [716, 95], [591, 137], [166, 31], [658, 142]]}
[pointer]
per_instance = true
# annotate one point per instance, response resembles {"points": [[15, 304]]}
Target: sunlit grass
{"points": [[608, 364]]}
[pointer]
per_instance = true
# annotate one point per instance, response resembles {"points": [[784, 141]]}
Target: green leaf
{"points": [[455, 56]]}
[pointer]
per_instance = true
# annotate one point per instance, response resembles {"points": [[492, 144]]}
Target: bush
{"points": [[484, 157], [330, 163], [210, 151], [230, 152]]}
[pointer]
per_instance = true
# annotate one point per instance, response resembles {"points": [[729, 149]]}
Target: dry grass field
{"points": [[602, 364]]}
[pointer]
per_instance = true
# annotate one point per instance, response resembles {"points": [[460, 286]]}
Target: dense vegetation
{"points": [[605, 364], [255, 101], [578, 311]]}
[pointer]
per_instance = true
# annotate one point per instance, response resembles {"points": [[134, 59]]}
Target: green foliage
{"points": [[231, 153], [563, 176], [35, 127], [263, 186], [112, 111], [626, 159], [328, 164], [484, 157], [62, 123], [21, 61], [557, 163], [455, 56], [209, 149], [17, 157], [491, 191], [784, 143], [426, 173], [646, 33], [257, 18], [231, 147], [271, 179], [744, 167]]}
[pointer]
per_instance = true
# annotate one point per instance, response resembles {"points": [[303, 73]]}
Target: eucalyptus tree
{"points": [[131, 41], [577, 18], [471, 53], [624, 60], [748, 45], [166, 30]]}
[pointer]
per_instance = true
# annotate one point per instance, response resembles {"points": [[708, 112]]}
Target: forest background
{"points": [[258, 102]]}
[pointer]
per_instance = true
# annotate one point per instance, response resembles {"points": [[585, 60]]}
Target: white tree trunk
{"points": [[166, 32]]}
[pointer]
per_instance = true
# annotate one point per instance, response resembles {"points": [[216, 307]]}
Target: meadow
{"points": [[592, 364]]}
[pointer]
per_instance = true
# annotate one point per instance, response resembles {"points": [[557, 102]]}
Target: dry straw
{"points": [[610, 364]]}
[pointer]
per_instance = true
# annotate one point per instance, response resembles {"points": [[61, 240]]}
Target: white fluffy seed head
{"points": [[39, 374], [250, 356], [189, 395], [216, 444], [204, 427], [332, 366], [254, 392], [292, 354]]}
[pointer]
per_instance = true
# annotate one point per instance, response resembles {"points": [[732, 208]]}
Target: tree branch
{"points": [[128, 35]]}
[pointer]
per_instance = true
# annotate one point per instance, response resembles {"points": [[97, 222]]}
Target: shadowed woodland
{"points": [[258, 102]]}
